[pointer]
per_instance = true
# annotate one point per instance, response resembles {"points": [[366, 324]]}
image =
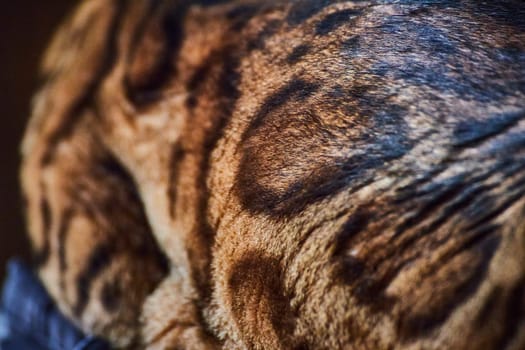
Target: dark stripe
{"points": [[211, 2], [63, 230], [350, 47], [45, 211], [355, 224], [466, 195], [334, 20], [99, 260], [449, 190], [459, 191], [421, 324], [471, 202], [196, 82], [295, 90], [288, 115], [110, 166], [259, 41], [511, 200], [111, 295], [350, 269], [302, 10], [241, 15], [65, 221], [144, 90], [407, 192], [514, 315], [135, 82], [227, 95], [490, 307], [259, 302], [76, 107], [152, 7], [380, 131], [176, 157], [464, 201], [41, 256], [362, 274], [504, 13], [298, 53], [128, 235], [299, 243], [394, 249], [471, 133], [223, 91]]}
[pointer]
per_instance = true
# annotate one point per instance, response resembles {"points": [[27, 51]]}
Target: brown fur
{"points": [[284, 175]]}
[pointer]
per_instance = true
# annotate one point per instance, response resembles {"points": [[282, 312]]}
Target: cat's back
{"points": [[317, 174]]}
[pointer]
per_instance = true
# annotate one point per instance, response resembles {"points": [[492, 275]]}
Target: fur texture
{"points": [[306, 174]]}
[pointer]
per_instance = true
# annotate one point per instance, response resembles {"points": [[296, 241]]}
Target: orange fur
{"points": [[284, 175]]}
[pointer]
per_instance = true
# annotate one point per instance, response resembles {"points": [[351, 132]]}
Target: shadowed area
{"points": [[25, 29]]}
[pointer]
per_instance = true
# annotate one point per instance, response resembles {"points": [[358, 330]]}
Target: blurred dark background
{"points": [[26, 26]]}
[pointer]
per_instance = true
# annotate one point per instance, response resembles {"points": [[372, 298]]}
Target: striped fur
{"points": [[305, 174]]}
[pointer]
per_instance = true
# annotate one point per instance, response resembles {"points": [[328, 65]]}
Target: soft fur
{"points": [[305, 174]]}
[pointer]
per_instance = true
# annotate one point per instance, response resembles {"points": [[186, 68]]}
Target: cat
{"points": [[305, 174]]}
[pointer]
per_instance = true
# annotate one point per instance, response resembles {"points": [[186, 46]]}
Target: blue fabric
{"points": [[29, 320]]}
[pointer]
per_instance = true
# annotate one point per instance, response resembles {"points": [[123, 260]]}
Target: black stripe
{"points": [[410, 242], [350, 47], [65, 221], [152, 7], [141, 29], [145, 90], [302, 10], [421, 324], [334, 20], [407, 192], [490, 306], [99, 260], [41, 256], [384, 140], [241, 15], [109, 166], [381, 133], [460, 190], [176, 157], [298, 53], [211, 2], [111, 295], [467, 201], [514, 315], [256, 284], [471, 133], [504, 13], [197, 80], [511, 200], [442, 194], [355, 224], [228, 95], [221, 89], [63, 231], [296, 89], [465, 194], [258, 42]]}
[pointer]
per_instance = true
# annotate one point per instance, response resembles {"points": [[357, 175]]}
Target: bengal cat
{"points": [[306, 174]]}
